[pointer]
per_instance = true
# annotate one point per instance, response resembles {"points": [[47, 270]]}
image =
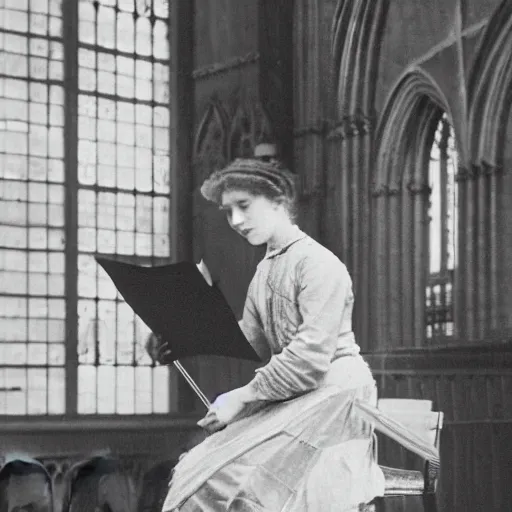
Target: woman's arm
{"points": [[325, 286], [232, 404], [324, 289]]}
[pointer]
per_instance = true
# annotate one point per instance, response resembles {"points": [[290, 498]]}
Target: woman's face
{"points": [[253, 217]]}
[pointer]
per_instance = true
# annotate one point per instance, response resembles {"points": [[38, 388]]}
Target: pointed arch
{"points": [[490, 90], [30, 480], [99, 481], [357, 28], [210, 141], [407, 121], [400, 191], [249, 126], [481, 181]]}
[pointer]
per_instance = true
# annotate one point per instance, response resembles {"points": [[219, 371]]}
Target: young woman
{"points": [[289, 440]]}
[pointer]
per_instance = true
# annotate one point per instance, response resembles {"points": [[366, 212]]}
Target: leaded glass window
{"points": [[118, 184], [442, 232]]}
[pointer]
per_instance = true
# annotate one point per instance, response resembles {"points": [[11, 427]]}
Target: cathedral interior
{"points": [[396, 117]]}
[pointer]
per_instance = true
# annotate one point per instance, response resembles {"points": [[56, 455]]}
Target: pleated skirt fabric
{"points": [[312, 453]]}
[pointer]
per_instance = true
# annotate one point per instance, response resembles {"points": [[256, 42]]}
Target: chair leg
{"points": [[430, 502]]}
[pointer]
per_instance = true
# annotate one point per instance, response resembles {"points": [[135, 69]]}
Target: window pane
{"points": [[443, 216], [123, 197], [32, 238]]}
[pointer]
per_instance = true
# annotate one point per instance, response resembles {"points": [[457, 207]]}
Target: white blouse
{"points": [[298, 318]]}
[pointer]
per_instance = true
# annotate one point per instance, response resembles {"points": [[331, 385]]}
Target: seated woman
{"points": [[290, 440]]}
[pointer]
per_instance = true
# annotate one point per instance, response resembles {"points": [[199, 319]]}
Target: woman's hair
{"points": [[259, 177]]}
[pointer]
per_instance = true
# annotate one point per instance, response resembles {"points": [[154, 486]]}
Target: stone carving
{"points": [[228, 130], [249, 126], [25, 485], [82, 484], [211, 141], [351, 126]]}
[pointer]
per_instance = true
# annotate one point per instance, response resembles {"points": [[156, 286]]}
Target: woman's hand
{"points": [[160, 352], [163, 355], [225, 409]]}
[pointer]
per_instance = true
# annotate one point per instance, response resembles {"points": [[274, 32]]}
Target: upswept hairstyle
{"points": [[268, 178]]}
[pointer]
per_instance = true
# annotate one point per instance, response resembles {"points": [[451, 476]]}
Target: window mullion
{"points": [[443, 146], [70, 37]]}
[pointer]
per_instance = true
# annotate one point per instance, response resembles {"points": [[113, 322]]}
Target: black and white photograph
{"points": [[255, 255]]}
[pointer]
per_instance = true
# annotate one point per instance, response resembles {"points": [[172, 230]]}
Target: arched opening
{"points": [[413, 203], [485, 297]]}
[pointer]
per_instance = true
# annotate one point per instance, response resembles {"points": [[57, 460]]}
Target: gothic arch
{"points": [[357, 29], [31, 482], [490, 90], [407, 123], [481, 180], [100, 482], [210, 142], [228, 130], [249, 126], [399, 192]]}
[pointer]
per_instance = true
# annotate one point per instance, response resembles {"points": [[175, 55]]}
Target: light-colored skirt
{"points": [[312, 453]]}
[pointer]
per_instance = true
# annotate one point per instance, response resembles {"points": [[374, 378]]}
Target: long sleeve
{"points": [[323, 289]]}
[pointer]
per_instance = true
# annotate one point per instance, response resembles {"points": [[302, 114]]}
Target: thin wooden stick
{"points": [[192, 384]]}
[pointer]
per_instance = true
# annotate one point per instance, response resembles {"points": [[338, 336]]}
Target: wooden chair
{"points": [[413, 425]]}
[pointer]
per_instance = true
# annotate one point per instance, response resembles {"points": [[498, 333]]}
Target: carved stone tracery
{"points": [[249, 126], [229, 130], [210, 141]]}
